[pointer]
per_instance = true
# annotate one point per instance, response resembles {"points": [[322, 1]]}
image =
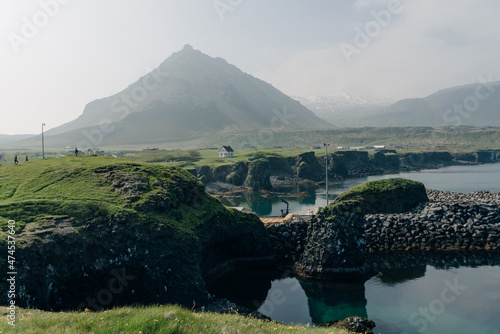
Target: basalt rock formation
{"points": [[336, 237], [96, 232]]}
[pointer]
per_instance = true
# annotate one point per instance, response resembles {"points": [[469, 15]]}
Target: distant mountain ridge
{"points": [[342, 109], [190, 95], [10, 139], [472, 104]]}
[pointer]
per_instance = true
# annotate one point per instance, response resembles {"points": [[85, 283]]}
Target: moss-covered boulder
{"points": [[386, 196], [94, 232]]}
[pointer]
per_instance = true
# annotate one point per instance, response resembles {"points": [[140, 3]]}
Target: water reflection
{"points": [[463, 179], [330, 301], [394, 298], [302, 197]]}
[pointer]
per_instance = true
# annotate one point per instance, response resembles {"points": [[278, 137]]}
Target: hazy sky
{"points": [[56, 60]]}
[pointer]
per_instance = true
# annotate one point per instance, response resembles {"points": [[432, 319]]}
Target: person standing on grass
{"points": [[15, 160], [27, 159], [76, 151]]}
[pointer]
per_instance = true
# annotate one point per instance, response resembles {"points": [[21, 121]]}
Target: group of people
{"points": [[16, 161]]}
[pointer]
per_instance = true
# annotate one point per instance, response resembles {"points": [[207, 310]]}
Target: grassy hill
{"points": [[76, 187], [154, 319], [79, 220]]}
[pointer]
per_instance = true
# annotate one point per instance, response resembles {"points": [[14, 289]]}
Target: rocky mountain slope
{"points": [[190, 95]]}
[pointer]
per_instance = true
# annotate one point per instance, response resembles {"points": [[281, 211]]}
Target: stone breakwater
{"points": [[288, 240], [448, 222]]}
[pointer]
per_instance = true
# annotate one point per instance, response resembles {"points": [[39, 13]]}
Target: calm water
{"points": [[413, 295], [453, 294], [462, 179]]}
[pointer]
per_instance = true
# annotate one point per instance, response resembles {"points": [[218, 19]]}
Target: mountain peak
{"points": [[200, 96]]}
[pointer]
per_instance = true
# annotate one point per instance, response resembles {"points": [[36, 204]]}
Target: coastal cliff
{"points": [[264, 170], [96, 232], [393, 216]]}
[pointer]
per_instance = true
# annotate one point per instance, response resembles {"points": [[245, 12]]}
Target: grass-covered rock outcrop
{"points": [[336, 238], [386, 196], [95, 232]]}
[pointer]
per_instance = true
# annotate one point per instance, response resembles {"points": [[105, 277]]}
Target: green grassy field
{"points": [[191, 154], [79, 187], [152, 319], [452, 139], [211, 157]]}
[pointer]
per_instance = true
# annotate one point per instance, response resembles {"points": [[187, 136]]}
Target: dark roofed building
{"points": [[226, 152]]}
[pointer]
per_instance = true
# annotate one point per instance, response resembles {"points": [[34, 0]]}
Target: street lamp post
{"points": [[43, 144], [326, 170]]}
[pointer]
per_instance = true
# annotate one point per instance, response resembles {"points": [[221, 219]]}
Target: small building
{"points": [[226, 152], [379, 147], [340, 147]]}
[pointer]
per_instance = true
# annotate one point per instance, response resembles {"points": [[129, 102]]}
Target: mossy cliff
{"points": [[343, 164], [95, 232], [336, 237], [386, 196]]}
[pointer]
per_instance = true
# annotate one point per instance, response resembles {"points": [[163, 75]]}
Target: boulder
{"points": [[386, 196]]}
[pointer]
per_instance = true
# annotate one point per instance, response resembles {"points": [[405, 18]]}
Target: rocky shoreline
{"points": [[449, 221], [264, 171]]}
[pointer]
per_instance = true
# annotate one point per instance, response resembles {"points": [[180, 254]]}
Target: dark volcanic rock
{"points": [[335, 243], [448, 222], [159, 248], [259, 175], [308, 166], [354, 325]]}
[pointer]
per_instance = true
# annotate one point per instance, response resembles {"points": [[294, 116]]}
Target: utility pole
{"points": [[326, 170], [43, 144]]}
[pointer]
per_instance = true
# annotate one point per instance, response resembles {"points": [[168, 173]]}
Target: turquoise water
{"points": [[463, 179], [454, 294]]}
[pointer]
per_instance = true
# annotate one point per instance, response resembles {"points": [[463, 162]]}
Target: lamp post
{"points": [[326, 170], [43, 144]]}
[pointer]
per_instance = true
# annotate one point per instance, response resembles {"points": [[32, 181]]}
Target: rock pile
{"points": [[335, 243], [288, 240], [449, 221], [354, 325]]}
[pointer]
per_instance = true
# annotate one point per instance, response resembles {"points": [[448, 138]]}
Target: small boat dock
{"points": [[291, 217]]}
